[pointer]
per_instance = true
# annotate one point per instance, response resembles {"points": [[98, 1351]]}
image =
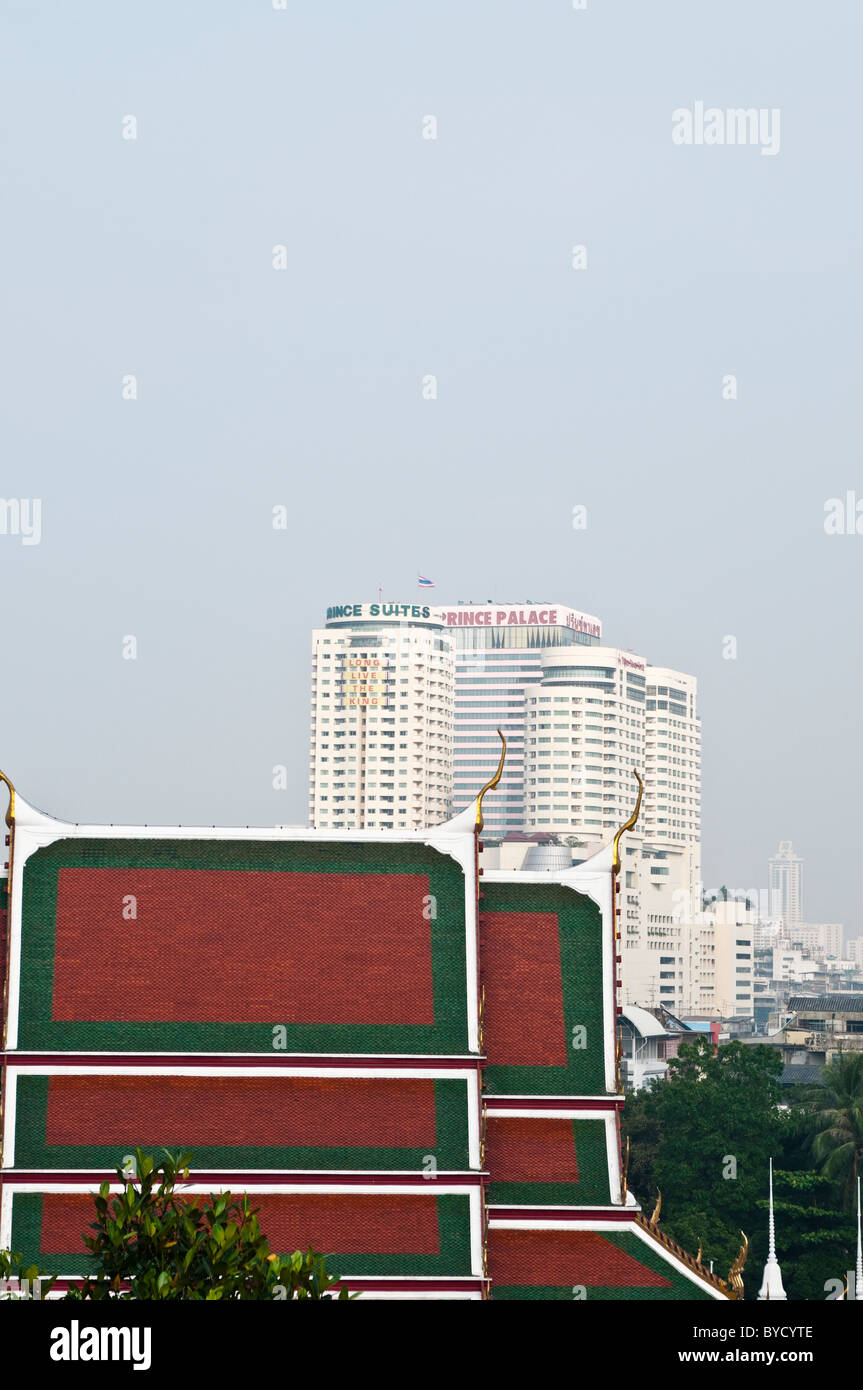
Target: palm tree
{"points": [[834, 1119]]}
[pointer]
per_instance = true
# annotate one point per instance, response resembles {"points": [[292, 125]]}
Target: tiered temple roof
{"points": [[406, 1063]]}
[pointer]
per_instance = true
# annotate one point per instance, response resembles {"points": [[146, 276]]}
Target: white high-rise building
{"points": [[381, 718], [702, 965], [597, 714], [854, 949], [498, 653], [672, 762], [821, 939], [786, 885], [406, 701], [585, 732]]}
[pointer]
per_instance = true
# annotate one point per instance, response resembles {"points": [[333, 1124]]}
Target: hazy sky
{"points": [[256, 387]]}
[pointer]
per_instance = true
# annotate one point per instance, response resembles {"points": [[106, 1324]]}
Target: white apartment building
{"points": [[731, 931], [768, 934], [854, 950], [672, 761], [820, 939], [598, 713], [704, 967], [498, 656], [584, 733], [789, 963], [383, 680]]}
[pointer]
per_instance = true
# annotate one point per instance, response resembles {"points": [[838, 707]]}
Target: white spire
{"points": [[859, 1275], [771, 1290]]}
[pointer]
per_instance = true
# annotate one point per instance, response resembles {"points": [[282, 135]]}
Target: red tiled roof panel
{"points": [[384, 1224], [548, 1258], [219, 946], [345, 1223], [524, 1022], [531, 1150], [277, 1110]]}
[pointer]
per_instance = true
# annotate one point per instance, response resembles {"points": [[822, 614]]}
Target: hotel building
{"points": [[498, 657], [381, 718], [595, 715]]}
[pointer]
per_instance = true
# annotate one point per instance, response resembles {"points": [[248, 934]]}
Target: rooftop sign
{"points": [[383, 612], [499, 615]]}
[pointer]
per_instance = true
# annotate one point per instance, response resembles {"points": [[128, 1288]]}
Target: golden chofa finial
{"points": [[493, 783], [700, 1251], [654, 1220], [10, 814], [629, 824], [735, 1273]]}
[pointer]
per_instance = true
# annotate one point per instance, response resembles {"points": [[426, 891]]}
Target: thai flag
{"points": [[424, 583]]}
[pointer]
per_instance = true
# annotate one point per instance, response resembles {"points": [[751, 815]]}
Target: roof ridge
{"points": [[692, 1264]]}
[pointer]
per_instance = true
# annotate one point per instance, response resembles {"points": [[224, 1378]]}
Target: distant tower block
{"points": [[786, 885]]}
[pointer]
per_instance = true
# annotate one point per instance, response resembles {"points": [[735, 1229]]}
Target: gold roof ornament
{"points": [[490, 785], [699, 1270], [654, 1220], [735, 1273], [629, 824], [700, 1251], [615, 914], [624, 1176], [10, 813], [483, 1218]]}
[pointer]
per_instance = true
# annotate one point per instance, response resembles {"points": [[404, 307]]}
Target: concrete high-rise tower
{"points": [[498, 655], [597, 714], [381, 718], [786, 885]]}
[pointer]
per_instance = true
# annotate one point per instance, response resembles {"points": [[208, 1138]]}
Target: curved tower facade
{"points": [[381, 718]]}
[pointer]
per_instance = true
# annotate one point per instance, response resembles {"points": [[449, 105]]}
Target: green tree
{"points": [[816, 1241], [712, 1125], [642, 1130], [832, 1116], [151, 1242], [707, 1100]]}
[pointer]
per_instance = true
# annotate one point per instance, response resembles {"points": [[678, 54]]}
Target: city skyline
{"points": [[431, 531]]}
